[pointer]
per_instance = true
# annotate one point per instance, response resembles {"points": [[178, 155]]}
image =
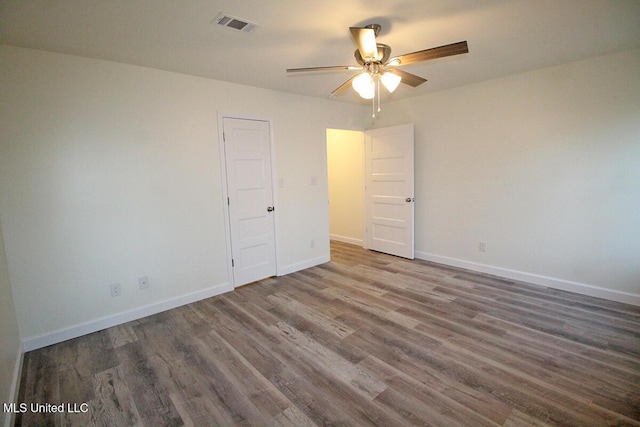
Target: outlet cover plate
{"points": [[116, 290]]}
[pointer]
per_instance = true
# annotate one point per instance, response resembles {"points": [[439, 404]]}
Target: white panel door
{"points": [[249, 187], [389, 190]]}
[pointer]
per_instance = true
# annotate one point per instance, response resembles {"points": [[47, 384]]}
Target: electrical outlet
{"points": [[116, 290], [482, 246], [143, 282]]}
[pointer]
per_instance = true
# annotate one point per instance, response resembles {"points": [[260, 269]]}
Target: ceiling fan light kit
{"points": [[378, 66], [390, 81], [364, 85]]}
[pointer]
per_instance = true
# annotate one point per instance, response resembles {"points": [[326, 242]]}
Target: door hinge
{"points": [[224, 137], [233, 264], [228, 202]]}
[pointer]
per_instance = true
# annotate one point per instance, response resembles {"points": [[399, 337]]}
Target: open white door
{"points": [[247, 155], [389, 190]]}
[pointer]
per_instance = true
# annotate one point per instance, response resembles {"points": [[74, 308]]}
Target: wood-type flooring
{"points": [[366, 339]]}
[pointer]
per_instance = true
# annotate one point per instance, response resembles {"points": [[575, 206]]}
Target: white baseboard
{"points": [[292, 268], [345, 239], [75, 331], [15, 385], [536, 279]]}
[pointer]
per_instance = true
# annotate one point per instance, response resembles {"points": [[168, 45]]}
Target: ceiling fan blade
{"points": [[433, 53], [331, 68], [344, 87], [365, 40], [407, 78]]}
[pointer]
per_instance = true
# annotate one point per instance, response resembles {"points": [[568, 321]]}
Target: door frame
{"points": [[364, 191], [225, 189]]}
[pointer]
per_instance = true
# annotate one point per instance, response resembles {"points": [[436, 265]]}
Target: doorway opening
{"points": [[345, 174]]}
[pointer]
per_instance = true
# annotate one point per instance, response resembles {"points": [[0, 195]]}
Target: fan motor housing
{"points": [[384, 52]]}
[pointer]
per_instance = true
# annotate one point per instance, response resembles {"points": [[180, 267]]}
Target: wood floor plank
{"points": [[612, 361], [308, 385], [76, 390], [243, 393], [122, 334], [367, 339], [526, 381], [292, 417], [518, 419], [443, 410], [150, 398], [41, 387], [300, 309], [114, 403], [204, 410], [419, 365]]}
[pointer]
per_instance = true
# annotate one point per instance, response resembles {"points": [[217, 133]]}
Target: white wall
{"points": [[345, 166], [544, 166], [110, 172], [10, 345]]}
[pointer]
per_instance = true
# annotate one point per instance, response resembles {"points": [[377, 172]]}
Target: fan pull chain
{"points": [[373, 106], [376, 94], [378, 88]]}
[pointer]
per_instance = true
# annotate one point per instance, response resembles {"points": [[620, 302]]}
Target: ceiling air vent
{"points": [[235, 23]]}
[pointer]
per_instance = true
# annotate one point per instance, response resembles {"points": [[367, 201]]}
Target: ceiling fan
{"points": [[379, 67]]}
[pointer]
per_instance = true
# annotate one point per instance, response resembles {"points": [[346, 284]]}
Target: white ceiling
{"points": [[504, 36]]}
